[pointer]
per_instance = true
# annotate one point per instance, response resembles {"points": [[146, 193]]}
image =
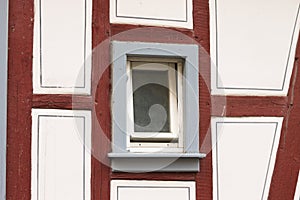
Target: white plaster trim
{"points": [[34, 146], [37, 88], [244, 90], [215, 120], [191, 185], [153, 22], [297, 191]]}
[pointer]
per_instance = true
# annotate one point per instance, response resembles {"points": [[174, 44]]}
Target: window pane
{"points": [[151, 100]]}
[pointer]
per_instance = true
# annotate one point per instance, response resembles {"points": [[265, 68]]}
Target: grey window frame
{"points": [[122, 160]]}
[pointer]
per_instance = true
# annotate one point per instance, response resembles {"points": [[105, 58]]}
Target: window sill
{"points": [[158, 162]]}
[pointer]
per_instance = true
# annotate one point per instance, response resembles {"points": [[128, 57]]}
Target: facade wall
{"points": [[26, 95]]}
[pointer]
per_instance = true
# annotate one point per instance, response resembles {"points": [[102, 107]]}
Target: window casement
{"points": [[155, 104], [155, 107]]}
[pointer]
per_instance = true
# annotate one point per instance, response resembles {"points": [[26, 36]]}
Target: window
{"points": [[155, 104], [155, 107]]}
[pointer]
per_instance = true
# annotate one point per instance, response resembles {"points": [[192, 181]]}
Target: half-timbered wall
{"points": [[59, 97]]}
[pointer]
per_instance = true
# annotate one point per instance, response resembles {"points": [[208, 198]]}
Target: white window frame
{"points": [[154, 140]]}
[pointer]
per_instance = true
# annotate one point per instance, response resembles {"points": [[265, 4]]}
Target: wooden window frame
{"points": [[157, 141]]}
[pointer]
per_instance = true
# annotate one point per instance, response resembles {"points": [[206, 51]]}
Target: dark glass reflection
{"points": [[151, 101]]}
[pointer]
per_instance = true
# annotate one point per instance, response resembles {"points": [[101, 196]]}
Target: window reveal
{"points": [[155, 107]]}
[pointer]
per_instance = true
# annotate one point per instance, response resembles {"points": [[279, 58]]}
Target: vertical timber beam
{"points": [[19, 99]]}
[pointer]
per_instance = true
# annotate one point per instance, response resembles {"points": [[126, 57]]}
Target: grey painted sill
{"points": [[155, 162], [156, 155]]}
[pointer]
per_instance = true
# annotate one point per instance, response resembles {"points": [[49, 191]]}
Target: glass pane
{"points": [[151, 100]]}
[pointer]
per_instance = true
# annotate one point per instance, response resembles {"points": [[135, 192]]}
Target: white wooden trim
{"points": [[130, 118], [173, 99], [155, 136], [180, 103], [138, 65]]}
